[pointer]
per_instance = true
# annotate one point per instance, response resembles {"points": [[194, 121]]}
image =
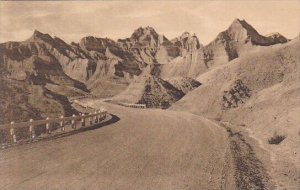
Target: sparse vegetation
{"points": [[276, 139], [236, 95]]}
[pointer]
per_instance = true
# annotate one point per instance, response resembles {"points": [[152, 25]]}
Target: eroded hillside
{"points": [[106, 68], [259, 92]]}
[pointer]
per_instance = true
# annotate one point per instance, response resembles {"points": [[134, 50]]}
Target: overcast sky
{"points": [[73, 20]]}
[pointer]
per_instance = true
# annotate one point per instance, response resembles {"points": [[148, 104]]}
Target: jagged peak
{"points": [[37, 35], [255, 37], [141, 31], [147, 28], [89, 38], [185, 35], [240, 30], [238, 21], [239, 24]]}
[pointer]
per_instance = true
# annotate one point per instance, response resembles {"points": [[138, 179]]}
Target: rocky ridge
{"points": [[105, 67], [230, 43]]}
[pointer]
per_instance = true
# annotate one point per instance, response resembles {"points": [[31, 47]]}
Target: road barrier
{"points": [[32, 128], [142, 106]]}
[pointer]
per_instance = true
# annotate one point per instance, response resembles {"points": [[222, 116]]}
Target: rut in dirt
{"points": [[249, 170]]}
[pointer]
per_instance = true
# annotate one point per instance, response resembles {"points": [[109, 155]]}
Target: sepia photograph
{"points": [[150, 95]]}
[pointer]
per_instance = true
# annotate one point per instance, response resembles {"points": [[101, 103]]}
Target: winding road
{"points": [[141, 149]]}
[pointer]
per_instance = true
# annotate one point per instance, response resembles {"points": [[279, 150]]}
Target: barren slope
{"points": [[154, 91], [259, 91], [21, 101], [33, 83]]}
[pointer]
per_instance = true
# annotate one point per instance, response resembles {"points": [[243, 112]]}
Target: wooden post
{"points": [[13, 132], [90, 119], [73, 122], [48, 126], [96, 117], [104, 113], [31, 129], [99, 116], [62, 123], [82, 120]]}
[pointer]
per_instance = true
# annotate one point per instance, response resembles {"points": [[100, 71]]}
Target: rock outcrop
{"points": [[159, 93], [154, 91], [189, 62], [230, 43], [26, 68], [149, 47], [185, 84]]}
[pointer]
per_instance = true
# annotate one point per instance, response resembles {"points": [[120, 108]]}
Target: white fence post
{"points": [[31, 129], [13, 132], [73, 122], [99, 116], [62, 123], [48, 126], [104, 114], [82, 120], [95, 117], [90, 119]]}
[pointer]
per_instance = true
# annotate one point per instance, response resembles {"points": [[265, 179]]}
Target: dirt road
{"points": [[142, 149]]}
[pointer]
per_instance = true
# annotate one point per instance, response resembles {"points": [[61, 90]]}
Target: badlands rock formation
{"points": [[149, 47], [238, 38], [190, 61], [104, 68], [242, 80], [26, 69], [154, 91], [258, 92]]}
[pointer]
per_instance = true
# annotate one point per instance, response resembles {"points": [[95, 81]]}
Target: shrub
{"points": [[276, 139]]}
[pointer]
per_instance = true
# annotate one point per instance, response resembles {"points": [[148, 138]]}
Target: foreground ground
{"points": [[142, 149]]}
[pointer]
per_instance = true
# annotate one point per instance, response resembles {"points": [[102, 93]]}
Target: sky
{"points": [[74, 20]]}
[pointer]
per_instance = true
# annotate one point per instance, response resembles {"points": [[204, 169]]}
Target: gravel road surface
{"points": [[140, 149]]}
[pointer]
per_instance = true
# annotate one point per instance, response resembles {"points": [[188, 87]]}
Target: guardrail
{"points": [[30, 128], [142, 106]]}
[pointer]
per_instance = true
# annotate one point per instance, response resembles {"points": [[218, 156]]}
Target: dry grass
{"points": [[276, 139]]}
